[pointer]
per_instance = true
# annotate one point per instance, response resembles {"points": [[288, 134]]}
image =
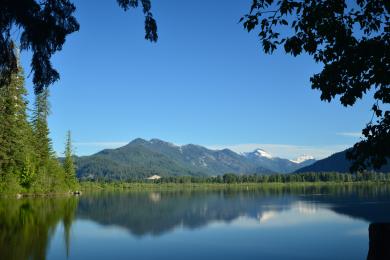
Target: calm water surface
{"points": [[300, 223]]}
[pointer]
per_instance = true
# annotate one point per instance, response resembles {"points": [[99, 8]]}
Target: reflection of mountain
{"points": [[27, 225], [142, 214], [157, 213]]}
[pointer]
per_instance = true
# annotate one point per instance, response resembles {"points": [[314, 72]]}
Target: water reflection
{"points": [[159, 212], [27, 226], [141, 214]]}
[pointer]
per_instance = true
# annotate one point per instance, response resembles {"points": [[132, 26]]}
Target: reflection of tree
{"points": [[27, 225], [379, 241], [369, 203]]}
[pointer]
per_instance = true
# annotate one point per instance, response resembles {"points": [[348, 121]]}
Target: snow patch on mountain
{"points": [[303, 158], [258, 153], [262, 153]]}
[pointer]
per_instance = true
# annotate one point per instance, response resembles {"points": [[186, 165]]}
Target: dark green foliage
{"points": [[14, 128], [42, 142], [28, 224], [230, 178], [69, 167], [28, 173], [150, 23], [44, 27], [352, 41], [27, 161], [374, 151]]}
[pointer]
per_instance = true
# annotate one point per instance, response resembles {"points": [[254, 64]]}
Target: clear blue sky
{"points": [[206, 81]]}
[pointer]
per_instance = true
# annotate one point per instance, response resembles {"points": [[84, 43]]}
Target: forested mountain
{"points": [[141, 158], [335, 163]]}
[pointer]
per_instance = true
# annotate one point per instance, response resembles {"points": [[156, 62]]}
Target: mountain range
{"points": [[141, 158]]}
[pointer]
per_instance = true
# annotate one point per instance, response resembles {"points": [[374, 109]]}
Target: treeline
{"points": [[27, 160], [312, 177]]}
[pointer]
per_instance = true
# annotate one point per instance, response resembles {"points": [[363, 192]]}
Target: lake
{"points": [[330, 222]]}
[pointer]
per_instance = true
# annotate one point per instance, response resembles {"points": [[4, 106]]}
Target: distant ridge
{"points": [[334, 163], [276, 164], [141, 158], [303, 158]]}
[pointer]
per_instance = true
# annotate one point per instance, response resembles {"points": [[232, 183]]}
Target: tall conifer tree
{"points": [[14, 127], [42, 142], [69, 167]]}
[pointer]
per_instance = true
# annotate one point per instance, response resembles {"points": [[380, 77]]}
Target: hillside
{"points": [[334, 163], [141, 158]]}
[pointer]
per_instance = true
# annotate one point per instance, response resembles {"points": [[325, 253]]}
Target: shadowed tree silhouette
{"points": [[379, 234], [45, 26], [352, 41]]}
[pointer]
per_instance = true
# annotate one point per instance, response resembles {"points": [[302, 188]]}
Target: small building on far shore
{"points": [[154, 177]]}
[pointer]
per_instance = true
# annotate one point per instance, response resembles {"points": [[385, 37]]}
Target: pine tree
{"points": [[69, 166], [42, 143], [27, 159], [14, 127]]}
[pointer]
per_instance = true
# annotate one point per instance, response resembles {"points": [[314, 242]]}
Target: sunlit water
{"points": [[310, 223]]}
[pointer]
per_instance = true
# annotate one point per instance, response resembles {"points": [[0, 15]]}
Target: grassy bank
{"points": [[57, 186], [141, 186], [314, 187]]}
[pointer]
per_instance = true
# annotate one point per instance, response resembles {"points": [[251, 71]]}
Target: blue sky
{"points": [[206, 81]]}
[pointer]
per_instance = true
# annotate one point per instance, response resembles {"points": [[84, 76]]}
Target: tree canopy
{"points": [[351, 39], [44, 26]]}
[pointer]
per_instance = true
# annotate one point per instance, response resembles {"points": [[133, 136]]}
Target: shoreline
{"points": [[91, 187], [21, 195], [103, 186]]}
